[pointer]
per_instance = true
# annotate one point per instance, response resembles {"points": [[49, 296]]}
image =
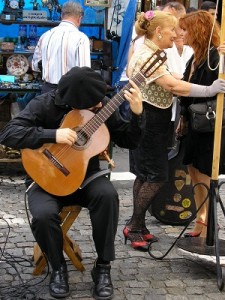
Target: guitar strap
{"points": [[92, 177], [86, 181]]}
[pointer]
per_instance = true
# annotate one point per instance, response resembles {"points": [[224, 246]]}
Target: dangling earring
{"points": [[159, 37]]}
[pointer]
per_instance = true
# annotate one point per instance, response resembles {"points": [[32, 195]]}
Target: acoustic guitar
{"points": [[59, 168]]}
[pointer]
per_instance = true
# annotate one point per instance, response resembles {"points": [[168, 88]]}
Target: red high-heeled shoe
{"points": [[146, 235], [197, 234], [137, 241], [194, 233]]}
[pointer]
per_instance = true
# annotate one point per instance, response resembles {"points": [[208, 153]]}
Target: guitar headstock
{"points": [[153, 63]]}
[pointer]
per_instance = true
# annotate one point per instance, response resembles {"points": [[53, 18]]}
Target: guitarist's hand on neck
{"points": [[134, 97], [66, 136]]}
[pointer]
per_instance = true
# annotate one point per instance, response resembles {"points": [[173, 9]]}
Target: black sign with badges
{"points": [[174, 204]]}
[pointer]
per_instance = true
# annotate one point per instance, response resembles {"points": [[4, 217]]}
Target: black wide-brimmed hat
{"points": [[81, 88]]}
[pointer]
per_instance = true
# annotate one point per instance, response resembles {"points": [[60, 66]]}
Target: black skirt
{"points": [[199, 151], [149, 162]]}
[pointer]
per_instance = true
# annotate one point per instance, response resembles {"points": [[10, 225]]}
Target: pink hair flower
{"points": [[149, 15]]}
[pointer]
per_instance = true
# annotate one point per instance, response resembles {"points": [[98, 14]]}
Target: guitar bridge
{"points": [[55, 162]]}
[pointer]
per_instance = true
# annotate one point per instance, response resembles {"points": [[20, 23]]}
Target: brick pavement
{"points": [[180, 276]]}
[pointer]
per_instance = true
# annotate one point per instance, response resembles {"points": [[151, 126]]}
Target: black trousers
{"points": [[99, 197]]}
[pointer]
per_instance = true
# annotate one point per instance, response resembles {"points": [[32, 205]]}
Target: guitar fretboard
{"points": [[153, 63]]}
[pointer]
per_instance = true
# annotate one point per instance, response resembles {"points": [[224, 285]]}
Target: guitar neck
{"points": [[94, 123], [150, 66]]}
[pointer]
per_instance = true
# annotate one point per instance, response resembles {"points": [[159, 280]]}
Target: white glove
{"points": [[218, 86]]}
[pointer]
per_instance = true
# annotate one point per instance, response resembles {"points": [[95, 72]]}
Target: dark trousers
{"points": [[101, 199]]}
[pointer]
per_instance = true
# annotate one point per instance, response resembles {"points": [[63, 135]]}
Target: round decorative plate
{"points": [[17, 64]]}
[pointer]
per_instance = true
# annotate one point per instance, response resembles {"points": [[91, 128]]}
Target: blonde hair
{"points": [[145, 26]]}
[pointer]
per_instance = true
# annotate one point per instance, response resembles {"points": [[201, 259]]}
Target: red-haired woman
{"points": [[202, 69]]}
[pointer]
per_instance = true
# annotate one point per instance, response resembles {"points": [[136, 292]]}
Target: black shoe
{"points": [[58, 286], [103, 289]]}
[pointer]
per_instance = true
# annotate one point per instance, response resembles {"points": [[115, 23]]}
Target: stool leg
{"points": [[39, 259], [73, 251], [68, 216]]}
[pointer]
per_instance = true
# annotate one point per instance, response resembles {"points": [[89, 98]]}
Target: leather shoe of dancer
{"points": [[103, 289], [59, 287]]}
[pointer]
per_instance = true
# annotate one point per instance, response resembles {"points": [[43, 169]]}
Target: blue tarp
{"points": [[126, 35]]}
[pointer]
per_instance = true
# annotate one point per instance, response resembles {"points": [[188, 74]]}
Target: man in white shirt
{"points": [[62, 47]]}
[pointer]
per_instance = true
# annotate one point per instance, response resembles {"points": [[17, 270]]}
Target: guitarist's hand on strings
{"points": [[66, 136], [134, 97]]}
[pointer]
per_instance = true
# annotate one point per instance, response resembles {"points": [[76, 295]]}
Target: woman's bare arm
{"points": [[176, 86]]}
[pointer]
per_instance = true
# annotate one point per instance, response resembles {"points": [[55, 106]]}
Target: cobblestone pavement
{"points": [[179, 276]]}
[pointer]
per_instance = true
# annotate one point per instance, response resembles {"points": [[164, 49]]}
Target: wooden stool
{"points": [[70, 247]]}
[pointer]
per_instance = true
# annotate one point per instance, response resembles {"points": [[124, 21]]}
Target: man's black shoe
{"points": [[59, 287], [103, 289]]}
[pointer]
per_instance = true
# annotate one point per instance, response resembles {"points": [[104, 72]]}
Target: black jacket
{"points": [[203, 76], [38, 122]]}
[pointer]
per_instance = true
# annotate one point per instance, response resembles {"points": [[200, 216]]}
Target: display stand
{"points": [[212, 245]]}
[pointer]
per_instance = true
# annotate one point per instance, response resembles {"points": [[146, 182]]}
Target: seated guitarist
{"points": [[39, 123]]}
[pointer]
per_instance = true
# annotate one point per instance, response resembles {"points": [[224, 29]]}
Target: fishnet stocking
{"points": [[136, 188], [143, 193]]}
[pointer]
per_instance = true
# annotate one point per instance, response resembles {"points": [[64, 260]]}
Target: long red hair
{"points": [[199, 25]]}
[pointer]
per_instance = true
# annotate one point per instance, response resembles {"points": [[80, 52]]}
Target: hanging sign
{"points": [[34, 15], [104, 3]]}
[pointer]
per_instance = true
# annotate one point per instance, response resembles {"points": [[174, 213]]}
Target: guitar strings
{"points": [[103, 114], [114, 104]]}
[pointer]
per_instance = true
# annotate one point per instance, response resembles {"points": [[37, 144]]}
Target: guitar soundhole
{"points": [[82, 141]]}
